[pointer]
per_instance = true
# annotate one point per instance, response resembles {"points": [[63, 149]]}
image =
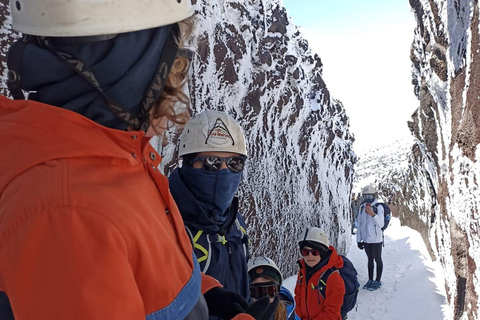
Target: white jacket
{"points": [[369, 229]]}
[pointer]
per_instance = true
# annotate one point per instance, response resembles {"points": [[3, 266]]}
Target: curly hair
{"points": [[281, 312], [174, 103]]}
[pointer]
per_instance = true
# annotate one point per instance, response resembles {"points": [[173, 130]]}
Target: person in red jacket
{"points": [[88, 227], [318, 257]]}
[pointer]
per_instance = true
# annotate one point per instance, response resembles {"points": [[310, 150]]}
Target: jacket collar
{"points": [[33, 133]]}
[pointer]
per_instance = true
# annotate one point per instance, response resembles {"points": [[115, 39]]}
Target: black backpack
{"points": [[387, 213], [349, 276]]}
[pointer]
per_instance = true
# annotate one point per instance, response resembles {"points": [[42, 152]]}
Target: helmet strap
{"points": [[305, 236]]}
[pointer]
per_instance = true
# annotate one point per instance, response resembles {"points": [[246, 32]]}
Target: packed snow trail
{"points": [[412, 285]]}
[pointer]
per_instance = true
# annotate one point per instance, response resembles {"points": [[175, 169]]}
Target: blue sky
{"points": [[365, 50], [346, 14]]}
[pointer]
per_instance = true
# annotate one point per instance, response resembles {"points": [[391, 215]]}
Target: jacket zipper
{"points": [[237, 285]]}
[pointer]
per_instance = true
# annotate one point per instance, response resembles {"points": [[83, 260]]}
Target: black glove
{"points": [[360, 245], [262, 309], [223, 303]]}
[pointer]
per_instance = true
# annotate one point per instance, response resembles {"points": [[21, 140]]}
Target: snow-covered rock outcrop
{"points": [[438, 194]]}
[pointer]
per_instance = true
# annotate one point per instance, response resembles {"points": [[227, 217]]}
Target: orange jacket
{"points": [[88, 228], [310, 304]]}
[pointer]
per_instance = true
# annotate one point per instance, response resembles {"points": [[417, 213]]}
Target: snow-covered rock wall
{"points": [[439, 195], [253, 63]]}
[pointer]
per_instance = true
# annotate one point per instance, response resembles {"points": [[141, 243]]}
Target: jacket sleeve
{"points": [[209, 283], [333, 303], [70, 264]]}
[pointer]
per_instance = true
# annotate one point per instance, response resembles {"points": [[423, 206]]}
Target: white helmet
{"points": [[369, 190], [212, 131], [263, 266], [314, 236], [78, 18]]}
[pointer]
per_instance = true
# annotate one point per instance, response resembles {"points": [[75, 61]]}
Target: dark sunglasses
{"points": [[213, 163], [314, 252], [260, 290]]}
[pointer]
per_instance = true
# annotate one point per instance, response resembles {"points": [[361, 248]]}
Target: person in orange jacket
{"points": [[318, 257], [88, 227]]}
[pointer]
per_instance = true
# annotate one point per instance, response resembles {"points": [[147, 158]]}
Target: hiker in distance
{"points": [[266, 280], [213, 152], [318, 257], [370, 221], [88, 228]]}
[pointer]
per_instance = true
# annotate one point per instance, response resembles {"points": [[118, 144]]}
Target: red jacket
{"points": [[88, 228], [310, 304]]}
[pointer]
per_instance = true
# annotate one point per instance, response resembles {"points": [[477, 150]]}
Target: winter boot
{"points": [[368, 285], [375, 285]]}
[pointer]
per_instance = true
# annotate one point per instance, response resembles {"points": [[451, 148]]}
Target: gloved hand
{"points": [[262, 309], [360, 245], [223, 303]]}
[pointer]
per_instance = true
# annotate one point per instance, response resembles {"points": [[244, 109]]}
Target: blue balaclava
{"points": [[124, 67], [214, 189]]}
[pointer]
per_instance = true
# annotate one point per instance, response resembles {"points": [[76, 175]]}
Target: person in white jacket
{"points": [[370, 221]]}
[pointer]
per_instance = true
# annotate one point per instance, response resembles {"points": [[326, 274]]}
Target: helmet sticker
{"points": [[218, 134]]}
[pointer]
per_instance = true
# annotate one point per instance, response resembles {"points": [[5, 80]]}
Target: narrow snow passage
{"points": [[413, 285]]}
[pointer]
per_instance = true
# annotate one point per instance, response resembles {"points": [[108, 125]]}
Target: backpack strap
{"points": [[207, 257], [245, 239], [322, 282]]}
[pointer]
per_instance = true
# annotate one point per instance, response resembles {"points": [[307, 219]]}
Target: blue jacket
{"points": [[287, 298], [221, 247]]}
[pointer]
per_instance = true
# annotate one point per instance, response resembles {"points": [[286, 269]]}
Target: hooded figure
{"points": [[88, 227], [212, 146]]}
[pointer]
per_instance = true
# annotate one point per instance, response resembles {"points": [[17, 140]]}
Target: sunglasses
{"points": [[213, 163], [314, 252], [260, 290]]}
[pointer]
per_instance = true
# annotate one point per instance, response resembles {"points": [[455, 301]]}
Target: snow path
{"points": [[413, 285]]}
